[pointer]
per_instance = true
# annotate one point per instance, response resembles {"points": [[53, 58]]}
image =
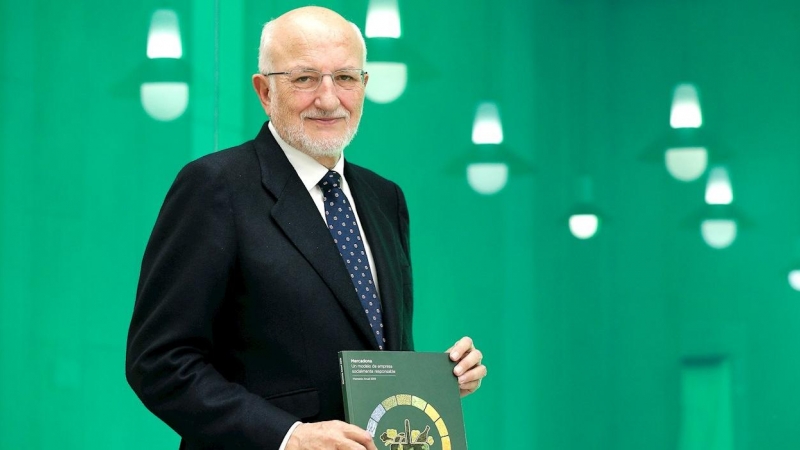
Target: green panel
{"points": [[706, 413]]}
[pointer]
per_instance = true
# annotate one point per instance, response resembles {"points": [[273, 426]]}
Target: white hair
{"points": [[265, 56]]}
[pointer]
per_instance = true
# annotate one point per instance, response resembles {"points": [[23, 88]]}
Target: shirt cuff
{"points": [[288, 435]]}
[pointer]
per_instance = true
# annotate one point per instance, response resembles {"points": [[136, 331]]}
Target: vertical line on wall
{"points": [[232, 55], [203, 61], [216, 74]]}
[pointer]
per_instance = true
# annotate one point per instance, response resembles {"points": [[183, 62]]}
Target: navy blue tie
{"points": [[347, 237]]}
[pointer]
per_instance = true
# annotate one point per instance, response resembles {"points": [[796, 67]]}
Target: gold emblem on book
{"points": [[409, 439]]}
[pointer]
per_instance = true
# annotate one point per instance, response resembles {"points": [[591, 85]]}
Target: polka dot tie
{"points": [[347, 237]]}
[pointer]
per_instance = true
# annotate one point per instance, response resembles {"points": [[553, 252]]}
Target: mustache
{"points": [[321, 114]]}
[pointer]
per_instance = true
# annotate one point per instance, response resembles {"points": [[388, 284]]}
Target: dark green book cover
{"points": [[405, 400]]}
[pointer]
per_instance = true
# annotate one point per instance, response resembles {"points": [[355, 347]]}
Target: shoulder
{"points": [[227, 160], [376, 182], [231, 166], [381, 190]]}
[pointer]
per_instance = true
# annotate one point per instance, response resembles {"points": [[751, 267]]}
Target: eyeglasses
{"points": [[309, 79]]}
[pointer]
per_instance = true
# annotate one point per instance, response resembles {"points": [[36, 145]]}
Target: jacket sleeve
{"points": [[185, 275]]}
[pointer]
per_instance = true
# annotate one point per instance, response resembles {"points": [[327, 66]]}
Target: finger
{"points": [[463, 346], [469, 361], [475, 374], [365, 442], [469, 389], [348, 445], [471, 381], [360, 435], [451, 348]]}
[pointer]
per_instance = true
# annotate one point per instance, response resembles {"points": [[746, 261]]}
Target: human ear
{"points": [[261, 86]]}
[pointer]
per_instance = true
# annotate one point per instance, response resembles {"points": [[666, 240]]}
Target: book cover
{"points": [[405, 400]]}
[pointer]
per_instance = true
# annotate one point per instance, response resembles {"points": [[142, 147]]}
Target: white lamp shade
{"points": [[794, 279], [686, 163], [387, 81], [487, 178], [718, 188], [164, 101], [383, 19], [487, 127], [718, 233], [685, 112], [583, 226], [164, 37]]}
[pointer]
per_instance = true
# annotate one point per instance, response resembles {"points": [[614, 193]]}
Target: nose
{"points": [[327, 99]]}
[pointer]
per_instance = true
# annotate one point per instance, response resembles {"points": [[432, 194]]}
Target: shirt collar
{"points": [[308, 169]]}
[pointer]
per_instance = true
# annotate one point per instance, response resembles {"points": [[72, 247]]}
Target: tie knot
{"points": [[332, 179]]}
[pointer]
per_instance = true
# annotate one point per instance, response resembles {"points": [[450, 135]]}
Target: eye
{"points": [[305, 78]]}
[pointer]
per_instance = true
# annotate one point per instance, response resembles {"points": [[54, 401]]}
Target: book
{"points": [[405, 400]]}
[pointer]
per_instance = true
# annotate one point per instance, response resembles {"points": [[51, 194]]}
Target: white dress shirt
{"points": [[311, 172]]}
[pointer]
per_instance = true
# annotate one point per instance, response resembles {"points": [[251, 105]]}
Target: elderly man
{"points": [[269, 258]]}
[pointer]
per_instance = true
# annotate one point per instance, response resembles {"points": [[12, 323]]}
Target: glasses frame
{"points": [[362, 72]]}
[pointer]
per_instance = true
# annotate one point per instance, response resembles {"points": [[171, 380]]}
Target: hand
{"points": [[331, 435], [469, 369]]}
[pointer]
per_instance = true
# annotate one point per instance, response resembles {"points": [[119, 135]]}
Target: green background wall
{"points": [[599, 344]]}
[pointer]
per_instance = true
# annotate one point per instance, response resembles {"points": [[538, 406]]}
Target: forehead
{"points": [[317, 45]]}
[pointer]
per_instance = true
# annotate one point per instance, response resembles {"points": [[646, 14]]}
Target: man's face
{"points": [[322, 122]]}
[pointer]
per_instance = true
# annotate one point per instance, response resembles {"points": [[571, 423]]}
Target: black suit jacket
{"points": [[244, 301]]}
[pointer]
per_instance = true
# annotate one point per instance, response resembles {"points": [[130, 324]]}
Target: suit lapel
{"points": [[295, 213], [385, 251]]}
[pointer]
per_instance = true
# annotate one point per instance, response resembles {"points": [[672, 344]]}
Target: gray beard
{"points": [[329, 148]]}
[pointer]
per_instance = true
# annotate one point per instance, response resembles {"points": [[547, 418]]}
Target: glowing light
{"points": [[794, 279], [487, 128], [164, 101], [718, 189], [583, 226], [718, 233], [387, 81], [487, 178], [164, 38], [685, 107], [383, 19], [686, 163]]}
